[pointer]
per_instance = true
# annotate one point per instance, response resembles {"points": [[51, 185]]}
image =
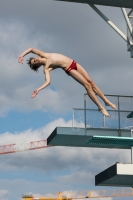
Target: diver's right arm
{"points": [[46, 83]]}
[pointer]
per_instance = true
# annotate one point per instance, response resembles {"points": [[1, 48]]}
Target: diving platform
{"points": [[117, 175], [90, 128], [91, 137], [114, 3]]}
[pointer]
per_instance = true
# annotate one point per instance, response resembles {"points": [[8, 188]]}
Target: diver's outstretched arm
{"points": [[30, 50], [47, 82], [21, 57]]}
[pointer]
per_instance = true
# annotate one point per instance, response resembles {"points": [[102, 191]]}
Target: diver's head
{"points": [[34, 63]]}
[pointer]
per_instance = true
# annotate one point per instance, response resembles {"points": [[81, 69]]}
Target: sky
{"points": [[76, 31]]}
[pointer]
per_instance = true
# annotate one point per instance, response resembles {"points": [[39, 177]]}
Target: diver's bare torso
{"points": [[55, 60]]}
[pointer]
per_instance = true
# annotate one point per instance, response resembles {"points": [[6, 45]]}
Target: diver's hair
{"points": [[34, 67]]}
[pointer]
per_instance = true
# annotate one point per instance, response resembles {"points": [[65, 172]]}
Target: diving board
{"points": [[78, 137], [114, 3], [117, 175]]}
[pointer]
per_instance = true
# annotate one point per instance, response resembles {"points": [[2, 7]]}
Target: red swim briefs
{"points": [[72, 66]]}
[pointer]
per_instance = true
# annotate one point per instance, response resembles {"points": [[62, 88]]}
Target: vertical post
{"points": [[131, 155], [131, 131], [73, 118], [119, 116], [85, 109], [131, 147], [104, 118]]}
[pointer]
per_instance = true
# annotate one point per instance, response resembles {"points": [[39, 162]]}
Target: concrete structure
{"points": [[66, 136], [117, 175], [116, 3]]}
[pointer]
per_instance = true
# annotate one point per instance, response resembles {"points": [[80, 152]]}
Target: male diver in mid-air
{"points": [[51, 61]]}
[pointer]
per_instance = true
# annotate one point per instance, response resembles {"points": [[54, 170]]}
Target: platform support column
{"points": [[127, 21], [110, 23], [131, 155]]}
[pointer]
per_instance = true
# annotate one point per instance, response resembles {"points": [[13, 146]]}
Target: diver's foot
{"points": [[104, 112], [108, 103]]}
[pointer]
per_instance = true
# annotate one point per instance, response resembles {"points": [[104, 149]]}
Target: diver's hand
{"points": [[21, 59], [34, 93]]}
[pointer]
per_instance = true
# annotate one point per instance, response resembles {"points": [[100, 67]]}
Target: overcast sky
{"points": [[76, 31]]}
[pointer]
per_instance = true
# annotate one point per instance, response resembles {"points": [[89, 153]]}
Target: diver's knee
{"points": [[87, 85], [92, 83]]}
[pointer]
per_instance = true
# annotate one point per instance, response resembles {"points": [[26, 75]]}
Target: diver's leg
{"points": [[79, 78], [82, 71]]}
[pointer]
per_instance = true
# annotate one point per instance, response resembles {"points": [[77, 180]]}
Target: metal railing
{"points": [[90, 117]]}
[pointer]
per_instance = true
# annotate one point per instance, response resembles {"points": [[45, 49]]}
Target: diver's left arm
{"points": [[46, 83], [30, 50]]}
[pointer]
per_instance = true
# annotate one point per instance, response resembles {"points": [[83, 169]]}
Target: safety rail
{"points": [[90, 117]]}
